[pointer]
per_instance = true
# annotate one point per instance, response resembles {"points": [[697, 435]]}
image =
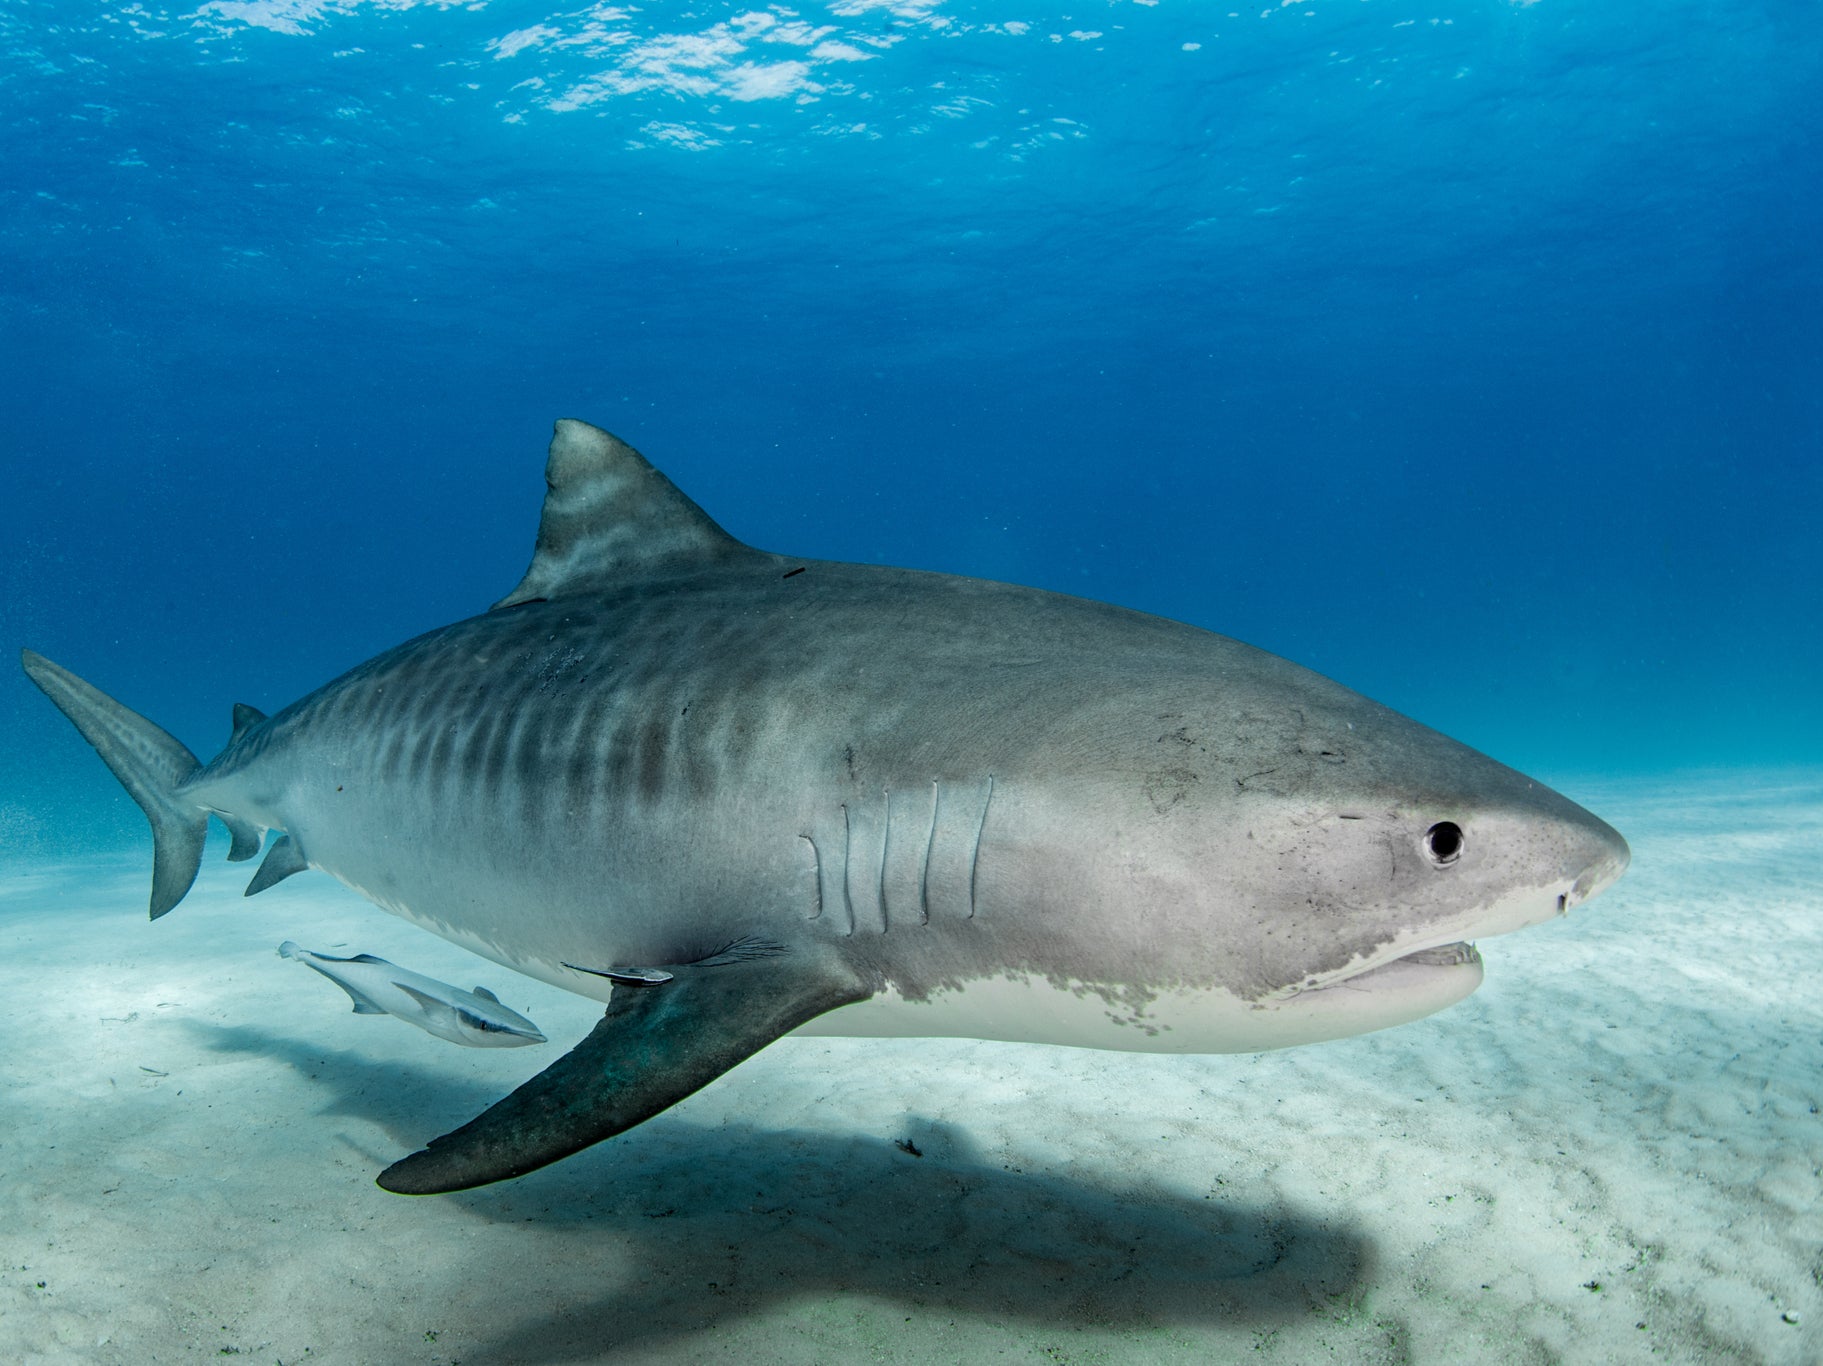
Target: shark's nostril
{"points": [[1606, 863]]}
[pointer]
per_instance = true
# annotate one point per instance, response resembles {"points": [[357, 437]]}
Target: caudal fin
{"points": [[150, 764]]}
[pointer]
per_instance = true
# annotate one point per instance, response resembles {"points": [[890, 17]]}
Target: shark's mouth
{"points": [[1405, 971], [1392, 991], [1183, 1019], [1449, 960], [1458, 954]]}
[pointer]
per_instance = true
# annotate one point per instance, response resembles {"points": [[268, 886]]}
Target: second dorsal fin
{"points": [[609, 516], [245, 719]]}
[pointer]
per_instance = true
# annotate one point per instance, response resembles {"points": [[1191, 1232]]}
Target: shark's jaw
{"points": [[1416, 972], [1020, 1009]]}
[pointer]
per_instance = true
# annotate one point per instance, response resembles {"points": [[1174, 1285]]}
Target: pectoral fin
{"points": [[433, 1008], [650, 1050]]}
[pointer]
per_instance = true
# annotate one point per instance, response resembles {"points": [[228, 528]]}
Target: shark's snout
{"points": [[1605, 858]]}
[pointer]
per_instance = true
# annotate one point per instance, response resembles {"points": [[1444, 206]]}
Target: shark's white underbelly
{"points": [[1172, 1020]]}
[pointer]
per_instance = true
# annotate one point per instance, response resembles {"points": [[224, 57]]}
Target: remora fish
{"points": [[475, 1019], [729, 792]]}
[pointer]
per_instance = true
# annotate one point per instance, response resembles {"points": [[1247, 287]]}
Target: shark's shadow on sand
{"points": [[677, 1228]]}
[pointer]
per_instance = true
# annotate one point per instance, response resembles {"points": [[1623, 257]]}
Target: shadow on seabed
{"points": [[675, 1227]]}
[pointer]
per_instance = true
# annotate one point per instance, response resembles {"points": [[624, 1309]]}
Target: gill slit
{"points": [[930, 843], [886, 835], [816, 873], [848, 863], [974, 862]]}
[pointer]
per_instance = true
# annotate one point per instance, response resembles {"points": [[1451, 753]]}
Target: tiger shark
{"points": [[735, 794]]}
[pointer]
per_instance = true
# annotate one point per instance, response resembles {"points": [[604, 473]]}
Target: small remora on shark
{"points": [[735, 794], [474, 1019]]}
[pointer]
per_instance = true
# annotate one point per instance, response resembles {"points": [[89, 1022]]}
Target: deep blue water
{"points": [[1471, 353]]}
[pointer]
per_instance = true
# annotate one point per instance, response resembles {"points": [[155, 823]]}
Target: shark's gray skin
{"points": [[474, 1019], [731, 793]]}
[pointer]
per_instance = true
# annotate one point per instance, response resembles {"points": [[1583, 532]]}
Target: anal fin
{"points": [[246, 837], [649, 1051]]}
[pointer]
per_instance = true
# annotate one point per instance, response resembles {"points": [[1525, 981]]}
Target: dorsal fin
{"points": [[610, 517], [245, 717]]}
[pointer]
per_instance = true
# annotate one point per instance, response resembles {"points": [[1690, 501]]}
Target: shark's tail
{"points": [[153, 767]]}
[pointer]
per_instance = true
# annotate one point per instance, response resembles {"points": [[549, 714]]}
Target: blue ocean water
{"points": [[1466, 352]]}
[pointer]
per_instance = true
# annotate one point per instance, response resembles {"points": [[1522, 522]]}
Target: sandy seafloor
{"points": [[1612, 1152]]}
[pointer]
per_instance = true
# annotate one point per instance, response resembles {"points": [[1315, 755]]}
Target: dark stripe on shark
{"points": [[472, 754], [582, 765], [653, 744], [498, 749], [519, 720], [391, 755], [529, 765]]}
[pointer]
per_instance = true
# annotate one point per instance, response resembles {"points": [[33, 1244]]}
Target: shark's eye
{"points": [[1443, 843]]}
